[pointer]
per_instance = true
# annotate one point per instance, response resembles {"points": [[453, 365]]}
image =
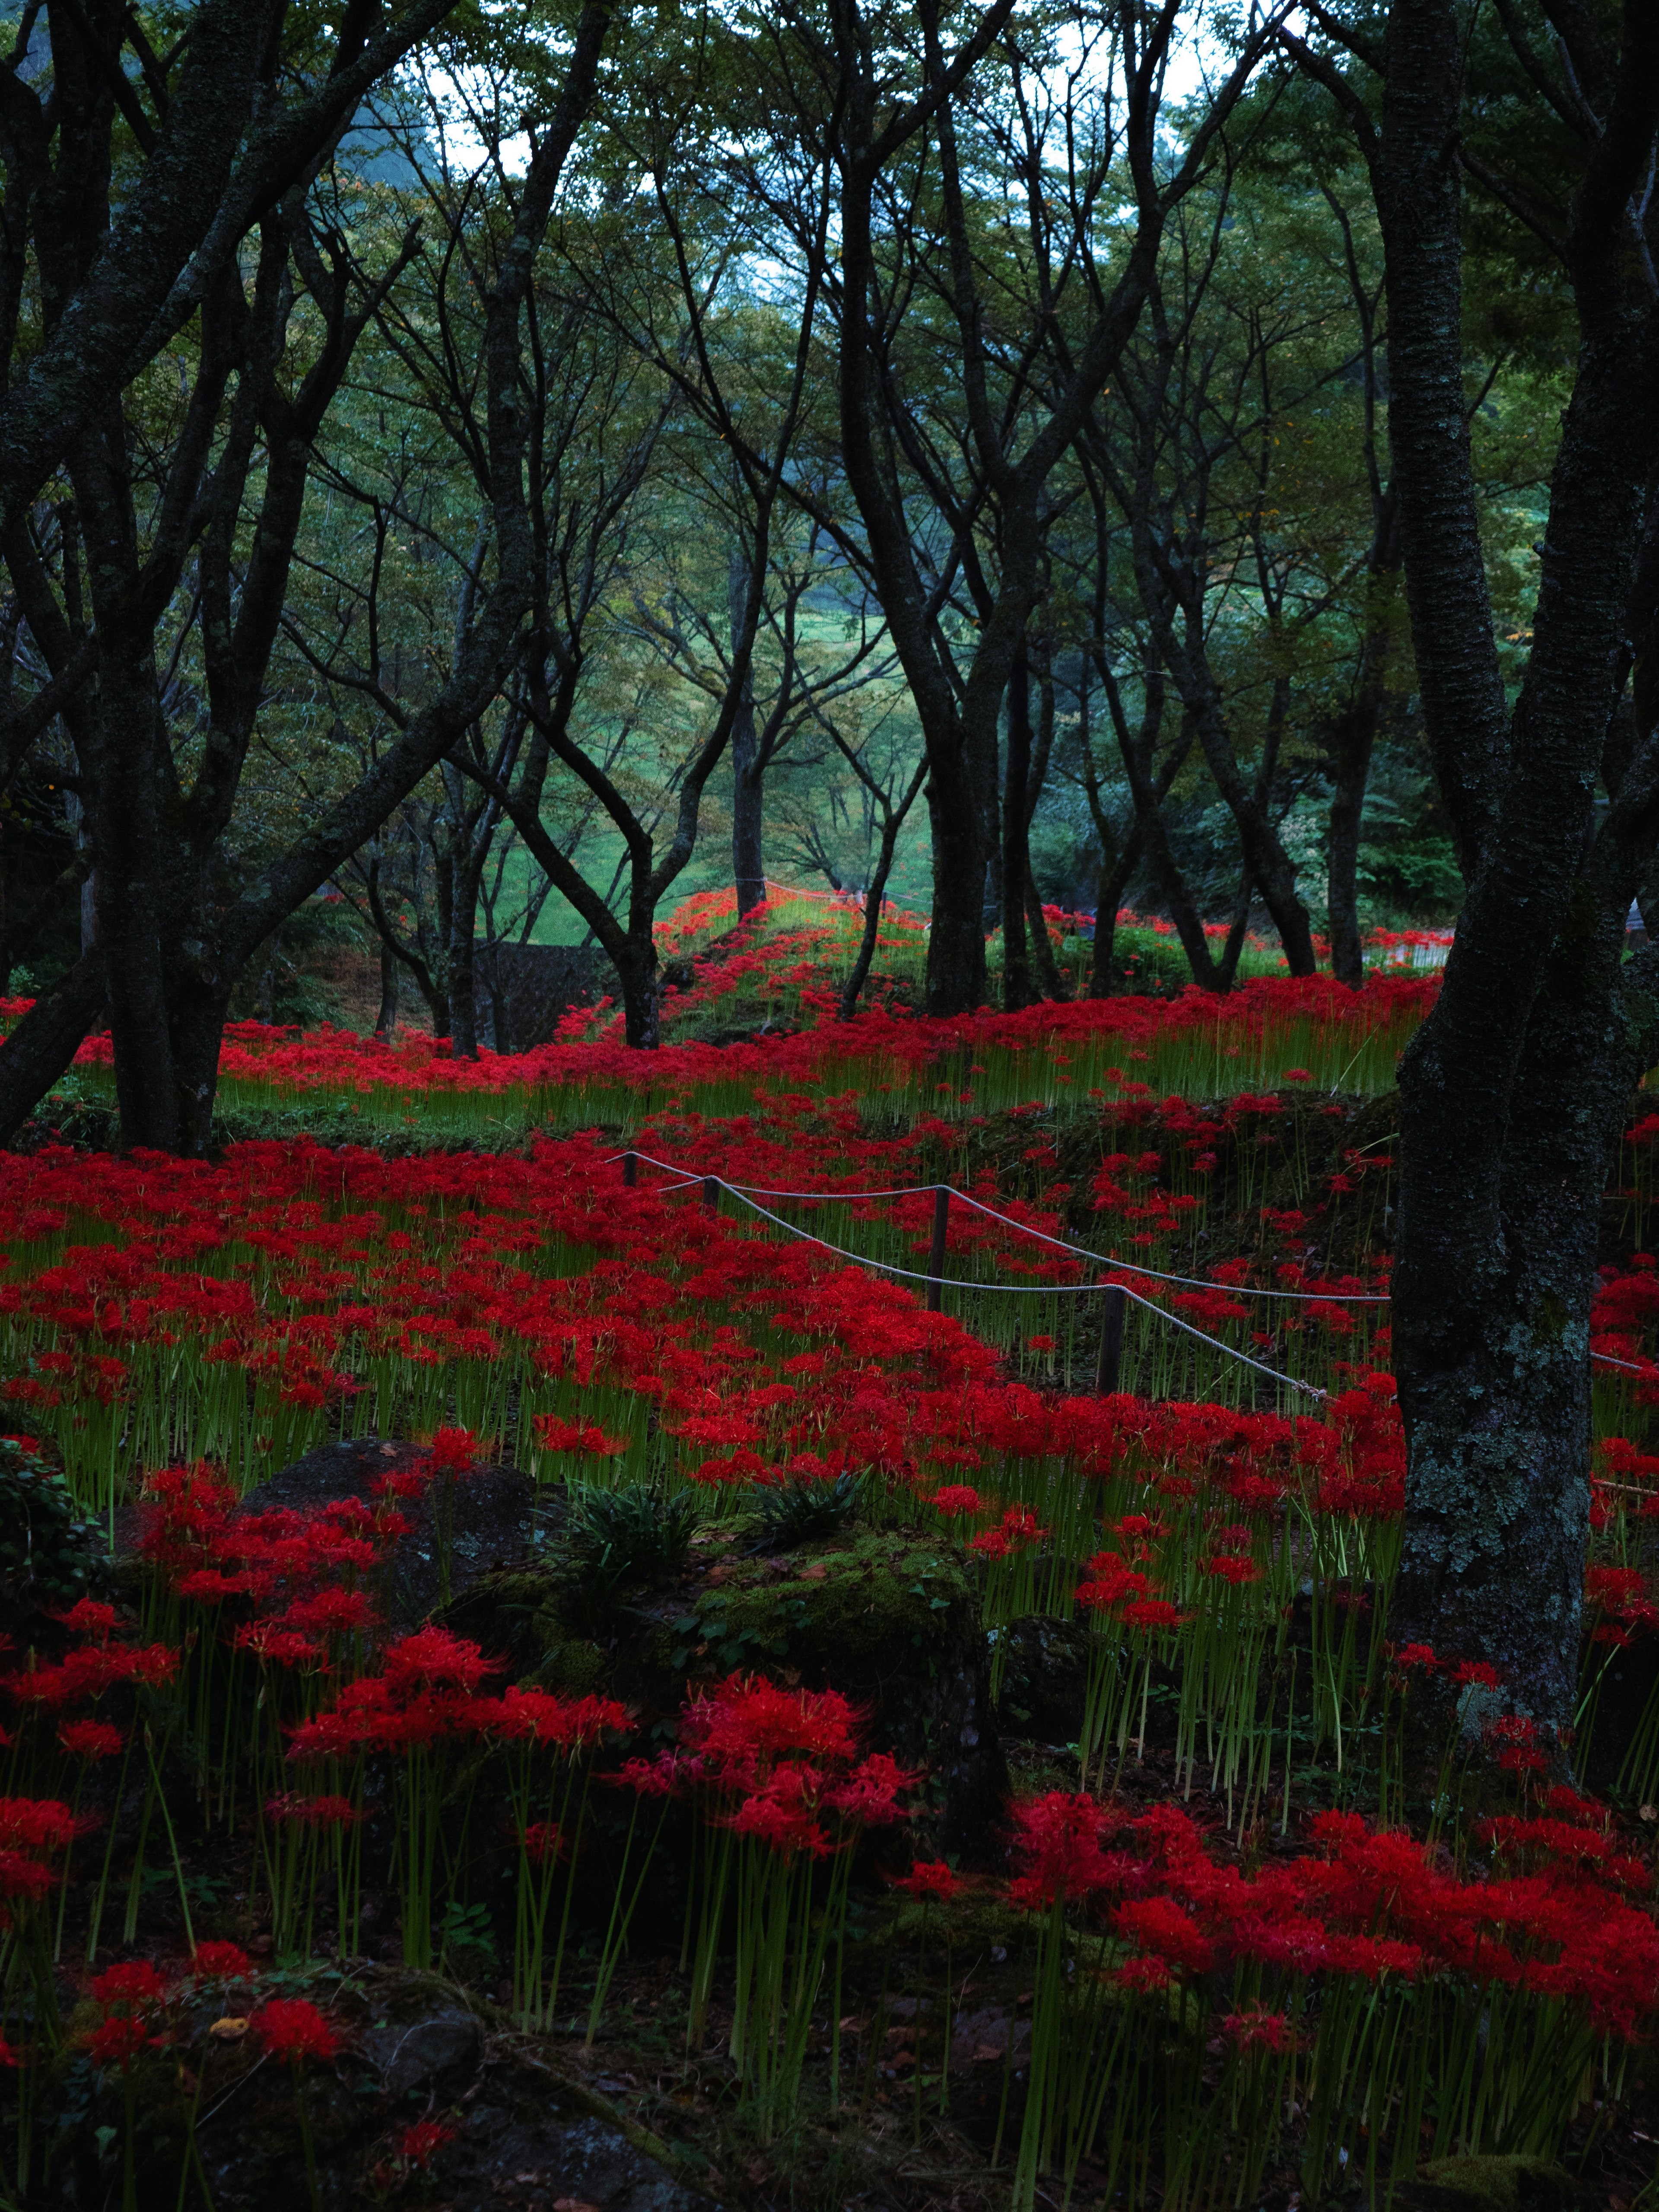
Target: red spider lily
{"points": [[1517, 1737], [90, 1617], [222, 1962], [744, 1725], [1017, 1531], [90, 1739], [954, 1500], [23, 1880], [586, 1436], [293, 2028], [1163, 1931], [544, 1842], [119, 2041], [433, 1659], [870, 1794], [313, 1812], [1257, 2029], [1057, 1841], [278, 1647], [783, 1815], [136, 1986], [420, 2143], [568, 1723], [929, 1878], [1146, 1977], [93, 1669], [331, 1613], [9, 2055], [452, 1451], [37, 1824]]}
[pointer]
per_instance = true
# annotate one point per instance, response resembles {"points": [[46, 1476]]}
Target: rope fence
{"points": [[1115, 1296]]}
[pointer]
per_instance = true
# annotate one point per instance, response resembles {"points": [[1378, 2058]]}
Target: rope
{"points": [[1059, 1243], [1260, 1365], [1015, 1290]]}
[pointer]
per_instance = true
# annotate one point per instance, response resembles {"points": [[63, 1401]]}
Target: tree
{"points": [[1513, 1090], [160, 762]]}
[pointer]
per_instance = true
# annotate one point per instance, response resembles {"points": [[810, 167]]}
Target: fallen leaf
{"points": [[231, 2029], [573, 2204], [813, 1574]]}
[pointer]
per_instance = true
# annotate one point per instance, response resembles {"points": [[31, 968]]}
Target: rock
{"points": [[1045, 1674], [1493, 2183], [411, 2057], [522, 2131], [526, 988], [589, 2164], [889, 1617], [490, 1518]]}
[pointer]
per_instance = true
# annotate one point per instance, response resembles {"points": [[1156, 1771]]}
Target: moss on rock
{"points": [[889, 1616]]}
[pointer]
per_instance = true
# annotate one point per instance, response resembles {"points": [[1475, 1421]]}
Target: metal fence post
{"points": [[1113, 1308], [711, 1192], [630, 1170], [936, 1257]]}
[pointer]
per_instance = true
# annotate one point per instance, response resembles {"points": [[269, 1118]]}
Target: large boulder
{"points": [[889, 1616], [484, 1524], [516, 2124]]}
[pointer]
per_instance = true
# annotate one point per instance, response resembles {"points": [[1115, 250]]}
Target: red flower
{"points": [[130, 1987], [1162, 1929], [291, 2028], [419, 2144], [1058, 1838], [956, 1499], [1255, 2028], [90, 1739], [119, 2039], [220, 1962], [929, 1878]]}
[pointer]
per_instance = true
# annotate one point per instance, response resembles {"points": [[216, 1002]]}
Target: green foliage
{"points": [[49, 1557], [633, 1534], [804, 1511]]}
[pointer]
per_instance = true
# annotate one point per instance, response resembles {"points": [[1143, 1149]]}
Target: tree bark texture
{"points": [[1513, 1090], [748, 856]]}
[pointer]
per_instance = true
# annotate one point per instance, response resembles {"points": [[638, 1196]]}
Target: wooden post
{"points": [[630, 1170], [936, 1257], [1111, 1340], [711, 1193]]}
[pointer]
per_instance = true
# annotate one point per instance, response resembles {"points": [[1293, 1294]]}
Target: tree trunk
{"points": [[130, 896], [461, 963], [386, 1022], [42, 1047], [201, 998], [1054, 985], [1512, 1091], [748, 859], [1354, 737], [956, 942], [641, 988], [1113, 882], [1015, 859]]}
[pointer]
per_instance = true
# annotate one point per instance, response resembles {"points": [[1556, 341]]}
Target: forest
{"points": [[496, 629], [829, 1335]]}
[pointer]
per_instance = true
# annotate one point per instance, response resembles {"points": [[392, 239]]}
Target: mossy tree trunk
{"points": [[1512, 1091]]}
